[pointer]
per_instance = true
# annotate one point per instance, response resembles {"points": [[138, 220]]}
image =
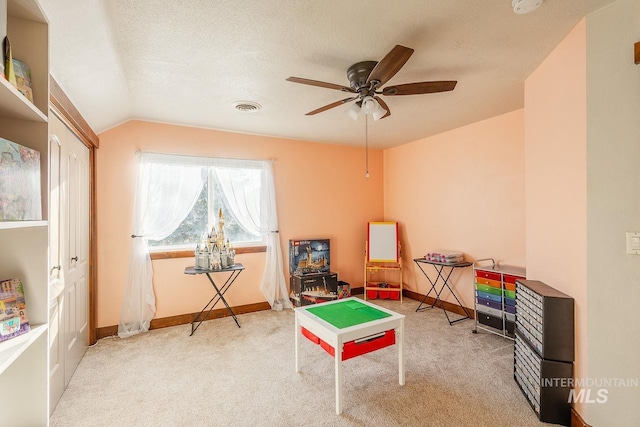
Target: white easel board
{"points": [[382, 242]]}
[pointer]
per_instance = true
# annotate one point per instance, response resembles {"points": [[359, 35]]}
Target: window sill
{"points": [[189, 253]]}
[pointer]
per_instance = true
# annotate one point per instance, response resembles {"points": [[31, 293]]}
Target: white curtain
{"points": [[250, 194], [166, 191], [241, 188], [273, 284]]}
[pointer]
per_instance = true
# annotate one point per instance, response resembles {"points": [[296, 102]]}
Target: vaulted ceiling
{"points": [[188, 61]]}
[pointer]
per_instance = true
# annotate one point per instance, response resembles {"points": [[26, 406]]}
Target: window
{"points": [[232, 190], [169, 201], [168, 188]]}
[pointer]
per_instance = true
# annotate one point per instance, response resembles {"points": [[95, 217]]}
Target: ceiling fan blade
{"points": [[383, 105], [390, 64], [330, 106], [420, 88], [319, 84]]}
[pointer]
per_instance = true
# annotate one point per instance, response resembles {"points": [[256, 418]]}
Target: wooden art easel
{"points": [[382, 254]]}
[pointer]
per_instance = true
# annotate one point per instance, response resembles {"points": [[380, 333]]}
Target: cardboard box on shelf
{"points": [[309, 256]]}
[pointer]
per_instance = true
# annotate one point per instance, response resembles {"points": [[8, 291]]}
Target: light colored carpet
{"points": [[229, 376]]}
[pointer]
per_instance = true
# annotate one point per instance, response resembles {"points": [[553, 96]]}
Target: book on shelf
{"points": [[23, 78], [7, 58], [13, 310], [3, 29]]}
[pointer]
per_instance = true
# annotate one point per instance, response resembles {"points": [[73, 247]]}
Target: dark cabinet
{"points": [[544, 349]]}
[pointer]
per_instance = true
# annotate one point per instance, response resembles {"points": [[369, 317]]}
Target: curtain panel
{"points": [[165, 194]]}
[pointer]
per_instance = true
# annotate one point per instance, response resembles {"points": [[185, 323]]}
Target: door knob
{"points": [[75, 258]]}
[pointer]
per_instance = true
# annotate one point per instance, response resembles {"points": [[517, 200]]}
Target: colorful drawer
{"points": [[489, 275], [488, 303], [490, 289], [490, 297], [488, 282]]}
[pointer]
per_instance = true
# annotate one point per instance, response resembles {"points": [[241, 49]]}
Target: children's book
{"points": [[13, 310]]}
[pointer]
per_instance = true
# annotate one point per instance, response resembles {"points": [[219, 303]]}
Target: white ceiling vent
{"points": [[247, 106]]}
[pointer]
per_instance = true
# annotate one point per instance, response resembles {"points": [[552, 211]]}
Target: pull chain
{"points": [[366, 145]]}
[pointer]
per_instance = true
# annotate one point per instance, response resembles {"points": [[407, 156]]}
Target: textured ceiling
{"points": [[187, 61]]}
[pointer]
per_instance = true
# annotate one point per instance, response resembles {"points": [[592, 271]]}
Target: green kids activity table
{"points": [[348, 328]]}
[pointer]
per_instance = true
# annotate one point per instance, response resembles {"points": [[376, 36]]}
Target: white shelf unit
{"points": [[13, 105], [24, 249], [9, 225], [11, 350]]}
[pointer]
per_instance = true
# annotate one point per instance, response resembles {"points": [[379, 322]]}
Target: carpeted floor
{"points": [[229, 376]]}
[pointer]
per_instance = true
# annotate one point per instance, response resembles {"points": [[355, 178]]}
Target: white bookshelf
{"points": [[24, 373]]}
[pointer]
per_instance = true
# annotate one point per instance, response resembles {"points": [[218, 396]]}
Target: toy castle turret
{"points": [[221, 252]]}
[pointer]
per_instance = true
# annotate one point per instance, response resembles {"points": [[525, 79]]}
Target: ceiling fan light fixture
{"points": [[525, 6], [354, 111], [372, 107], [369, 105], [379, 113]]}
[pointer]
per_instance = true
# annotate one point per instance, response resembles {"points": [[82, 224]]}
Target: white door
{"points": [[69, 269], [56, 285]]}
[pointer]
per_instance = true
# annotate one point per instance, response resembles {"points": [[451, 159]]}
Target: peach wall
{"points": [[556, 178], [321, 192], [460, 190]]}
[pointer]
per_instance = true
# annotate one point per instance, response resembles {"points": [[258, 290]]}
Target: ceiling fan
{"points": [[366, 80]]}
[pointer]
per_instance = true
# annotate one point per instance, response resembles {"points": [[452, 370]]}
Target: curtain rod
{"points": [[138, 151]]}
